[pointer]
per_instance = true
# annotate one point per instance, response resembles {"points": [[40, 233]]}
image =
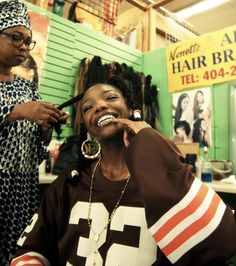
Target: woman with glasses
{"points": [[25, 122]]}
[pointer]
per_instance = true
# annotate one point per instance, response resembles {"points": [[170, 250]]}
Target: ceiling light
{"points": [[146, 1], [199, 8]]}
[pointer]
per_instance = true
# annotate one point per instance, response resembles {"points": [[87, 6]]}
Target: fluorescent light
{"points": [[199, 8]]}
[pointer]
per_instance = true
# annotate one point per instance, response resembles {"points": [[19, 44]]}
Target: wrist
{"points": [[14, 114]]}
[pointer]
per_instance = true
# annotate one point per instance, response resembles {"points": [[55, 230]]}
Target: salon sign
{"points": [[202, 61]]}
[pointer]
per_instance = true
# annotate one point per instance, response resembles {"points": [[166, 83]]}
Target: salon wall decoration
{"points": [[31, 69], [205, 60], [192, 117]]}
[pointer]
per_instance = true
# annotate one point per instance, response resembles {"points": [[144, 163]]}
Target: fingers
{"points": [[41, 113], [52, 111], [47, 115], [63, 119], [133, 127], [53, 115]]}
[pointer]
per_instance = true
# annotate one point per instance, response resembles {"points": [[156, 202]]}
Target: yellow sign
{"points": [[206, 60]]}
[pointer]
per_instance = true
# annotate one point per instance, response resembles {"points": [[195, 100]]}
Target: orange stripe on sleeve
{"points": [[181, 215], [25, 259], [194, 228]]}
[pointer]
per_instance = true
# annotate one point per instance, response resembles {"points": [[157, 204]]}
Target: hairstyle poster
{"points": [[31, 69], [192, 117]]}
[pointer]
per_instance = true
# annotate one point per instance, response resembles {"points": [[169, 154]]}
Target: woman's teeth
{"points": [[106, 119]]}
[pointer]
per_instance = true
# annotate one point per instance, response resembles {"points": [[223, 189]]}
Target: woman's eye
{"points": [[28, 41], [86, 108], [17, 37], [112, 97]]}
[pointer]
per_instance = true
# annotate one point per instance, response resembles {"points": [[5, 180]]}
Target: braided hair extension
{"points": [[80, 85], [155, 118], [147, 99], [136, 86], [95, 73], [81, 76]]}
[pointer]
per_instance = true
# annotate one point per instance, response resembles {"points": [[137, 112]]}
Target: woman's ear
{"points": [[130, 112], [81, 118]]}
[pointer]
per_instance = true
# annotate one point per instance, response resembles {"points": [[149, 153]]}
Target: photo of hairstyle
{"points": [[182, 105], [194, 108]]}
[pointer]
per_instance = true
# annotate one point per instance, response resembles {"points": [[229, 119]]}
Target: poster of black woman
{"points": [[191, 113], [205, 60]]}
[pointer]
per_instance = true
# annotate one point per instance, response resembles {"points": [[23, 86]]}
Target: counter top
{"points": [[47, 178], [222, 187]]}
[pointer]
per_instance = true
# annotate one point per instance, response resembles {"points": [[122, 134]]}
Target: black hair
{"points": [[197, 130], [178, 110], [119, 83], [183, 124], [196, 108], [95, 73]]}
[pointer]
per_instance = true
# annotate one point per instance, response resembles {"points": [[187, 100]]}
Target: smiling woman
{"points": [[134, 197]]}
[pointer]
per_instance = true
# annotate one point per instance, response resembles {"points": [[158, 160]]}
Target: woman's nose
{"points": [[23, 47], [100, 106]]}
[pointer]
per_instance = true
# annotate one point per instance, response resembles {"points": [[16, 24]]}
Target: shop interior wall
{"points": [[68, 43], [154, 63]]}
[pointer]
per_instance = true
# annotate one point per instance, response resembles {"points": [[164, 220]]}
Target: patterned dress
{"points": [[21, 151]]}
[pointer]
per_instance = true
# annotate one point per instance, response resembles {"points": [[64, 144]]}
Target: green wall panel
{"points": [[62, 34], [59, 85], [59, 78], [220, 114], [107, 48], [154, 63], [61, 49], [57, 61], [60, 69], [53, 91]]}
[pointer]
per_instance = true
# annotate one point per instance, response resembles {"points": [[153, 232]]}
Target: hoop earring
{"points": [[91, 148]]}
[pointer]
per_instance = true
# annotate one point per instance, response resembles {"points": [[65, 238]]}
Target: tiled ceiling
{"points": [[211, 20]]}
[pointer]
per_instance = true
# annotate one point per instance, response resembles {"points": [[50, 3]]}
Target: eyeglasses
{"points": [[18, 41]]}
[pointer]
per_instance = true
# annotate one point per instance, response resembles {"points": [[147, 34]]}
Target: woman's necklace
{"points": [[97, 235]]}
